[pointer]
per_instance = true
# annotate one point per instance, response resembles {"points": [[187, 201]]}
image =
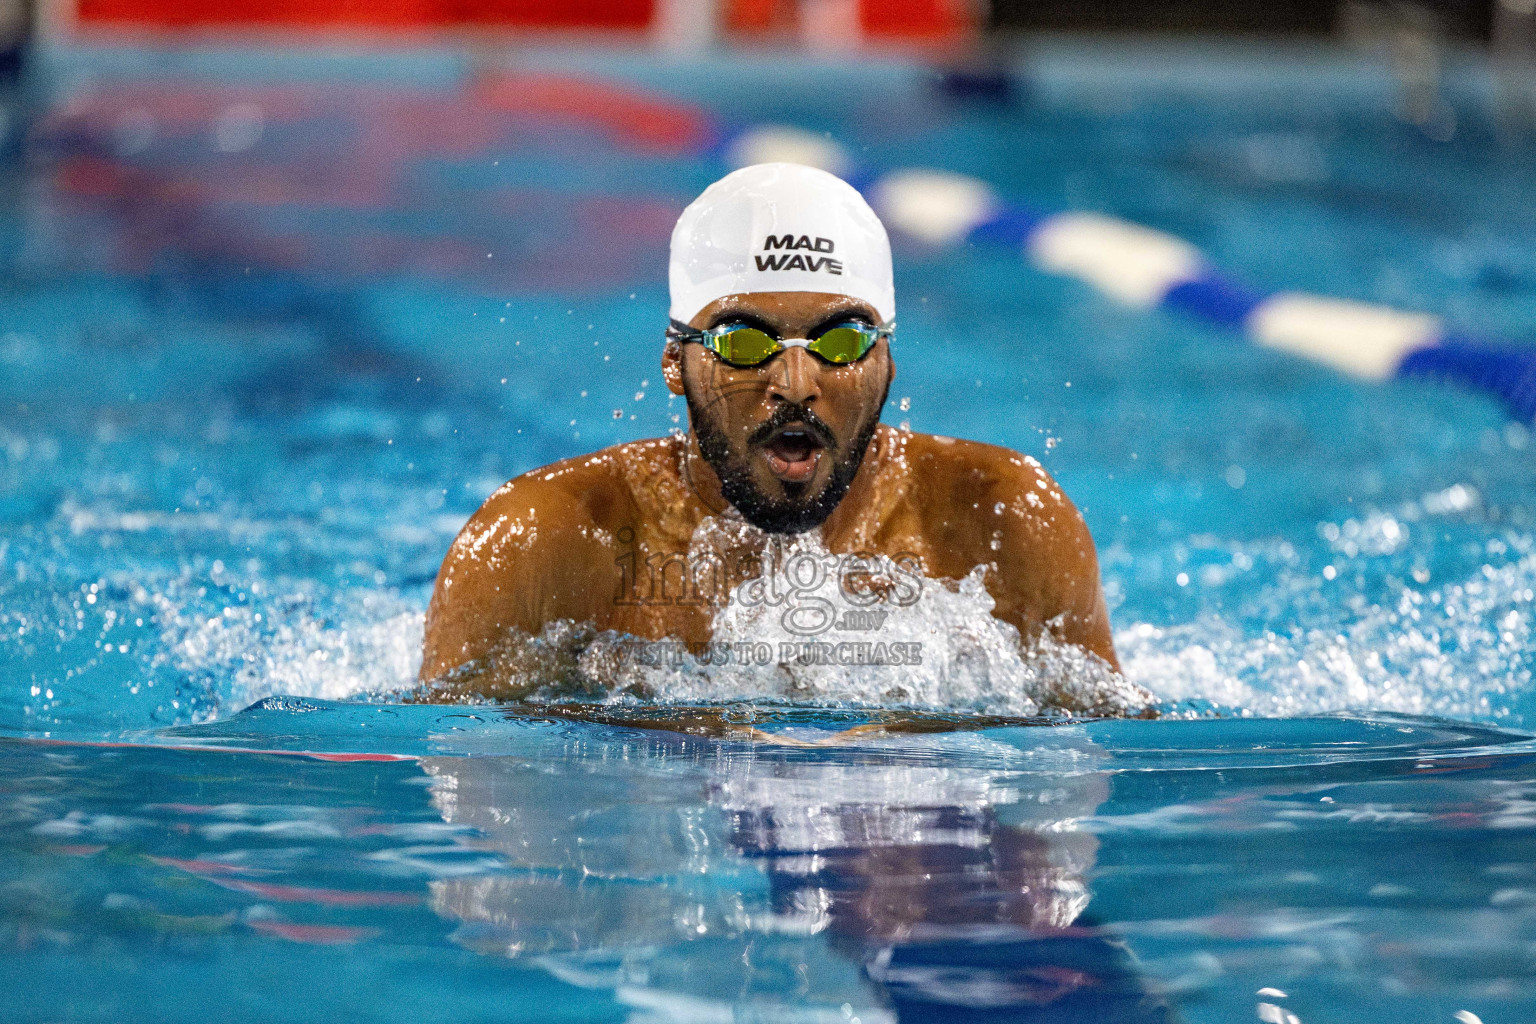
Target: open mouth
{"points": [[793, 453]]}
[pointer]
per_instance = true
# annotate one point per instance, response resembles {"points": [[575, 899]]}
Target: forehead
{"points": [[786, 310]]}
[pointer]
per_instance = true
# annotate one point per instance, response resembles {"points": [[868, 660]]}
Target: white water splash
{"points": [[357, 641], [1460, 650], [799, 633]]}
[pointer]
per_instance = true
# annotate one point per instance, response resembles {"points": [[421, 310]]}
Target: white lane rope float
{"points": [[1141, 267]]}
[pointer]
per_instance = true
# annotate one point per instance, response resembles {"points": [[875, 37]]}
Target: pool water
{"points": [[274, 322]]}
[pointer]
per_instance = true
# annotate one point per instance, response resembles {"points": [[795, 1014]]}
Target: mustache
{"points": [[788, 414]]}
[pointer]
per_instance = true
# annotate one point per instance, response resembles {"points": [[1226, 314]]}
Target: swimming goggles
{"points": [[742, 346]]}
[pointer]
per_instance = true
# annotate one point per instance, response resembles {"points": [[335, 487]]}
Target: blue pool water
{"points": [[273, 324]]}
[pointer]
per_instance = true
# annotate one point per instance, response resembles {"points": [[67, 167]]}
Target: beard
{"points": [[799, 509]]}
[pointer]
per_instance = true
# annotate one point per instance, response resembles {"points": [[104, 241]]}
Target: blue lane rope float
{"points": [[1141, 267]]}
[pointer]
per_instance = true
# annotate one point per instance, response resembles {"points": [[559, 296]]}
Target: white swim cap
{"points": [[779, 228]]}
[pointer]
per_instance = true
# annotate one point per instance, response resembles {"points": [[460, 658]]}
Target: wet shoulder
{"points": [[597, 489], [953, 474], [982, 504], [564, 507]]}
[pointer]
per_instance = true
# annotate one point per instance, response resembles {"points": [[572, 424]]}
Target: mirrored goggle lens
{"points": [[745, 346], [843, 344]]}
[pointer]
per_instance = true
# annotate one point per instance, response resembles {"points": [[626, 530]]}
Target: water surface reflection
{"points": [[905, 879]]}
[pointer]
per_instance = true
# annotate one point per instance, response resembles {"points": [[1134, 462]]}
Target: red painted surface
{"points": [[898, 20], [387, 14], [925, 20], [915, 20]]}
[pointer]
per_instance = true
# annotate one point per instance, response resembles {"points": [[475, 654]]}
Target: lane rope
{"points": [[1144, 268], [1131, 264]]}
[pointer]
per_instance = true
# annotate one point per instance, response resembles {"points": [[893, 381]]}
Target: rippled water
{"points": [[273, 324], [437, 863]]}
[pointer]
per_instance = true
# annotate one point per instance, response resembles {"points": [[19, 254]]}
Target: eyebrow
{"points": [[732, 317], [852, 311], [842, 316]]}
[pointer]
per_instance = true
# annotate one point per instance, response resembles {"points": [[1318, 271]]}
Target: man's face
{"points": [[785, 437]]}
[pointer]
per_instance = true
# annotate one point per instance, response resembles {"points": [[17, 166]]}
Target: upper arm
{"points": [[523, 560], [1047, 566]]}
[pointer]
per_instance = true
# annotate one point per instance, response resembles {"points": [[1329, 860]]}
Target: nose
{"points": [[794, 377]]}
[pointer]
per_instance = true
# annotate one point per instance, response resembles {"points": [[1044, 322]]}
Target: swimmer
{"points": [[783, 319]]}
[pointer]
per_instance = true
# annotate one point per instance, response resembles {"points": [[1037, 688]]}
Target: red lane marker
{"points": [[315, 934], [92, 177], [1462, 819], [381, 127], [605, 240], [345, 758], [202, 868], [79, 849], [187, 107], [649, 121], [324, 897]]}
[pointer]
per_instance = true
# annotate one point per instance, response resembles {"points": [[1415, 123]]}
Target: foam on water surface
{"points": [[204, 647], [799, 630], [217, 643]]}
